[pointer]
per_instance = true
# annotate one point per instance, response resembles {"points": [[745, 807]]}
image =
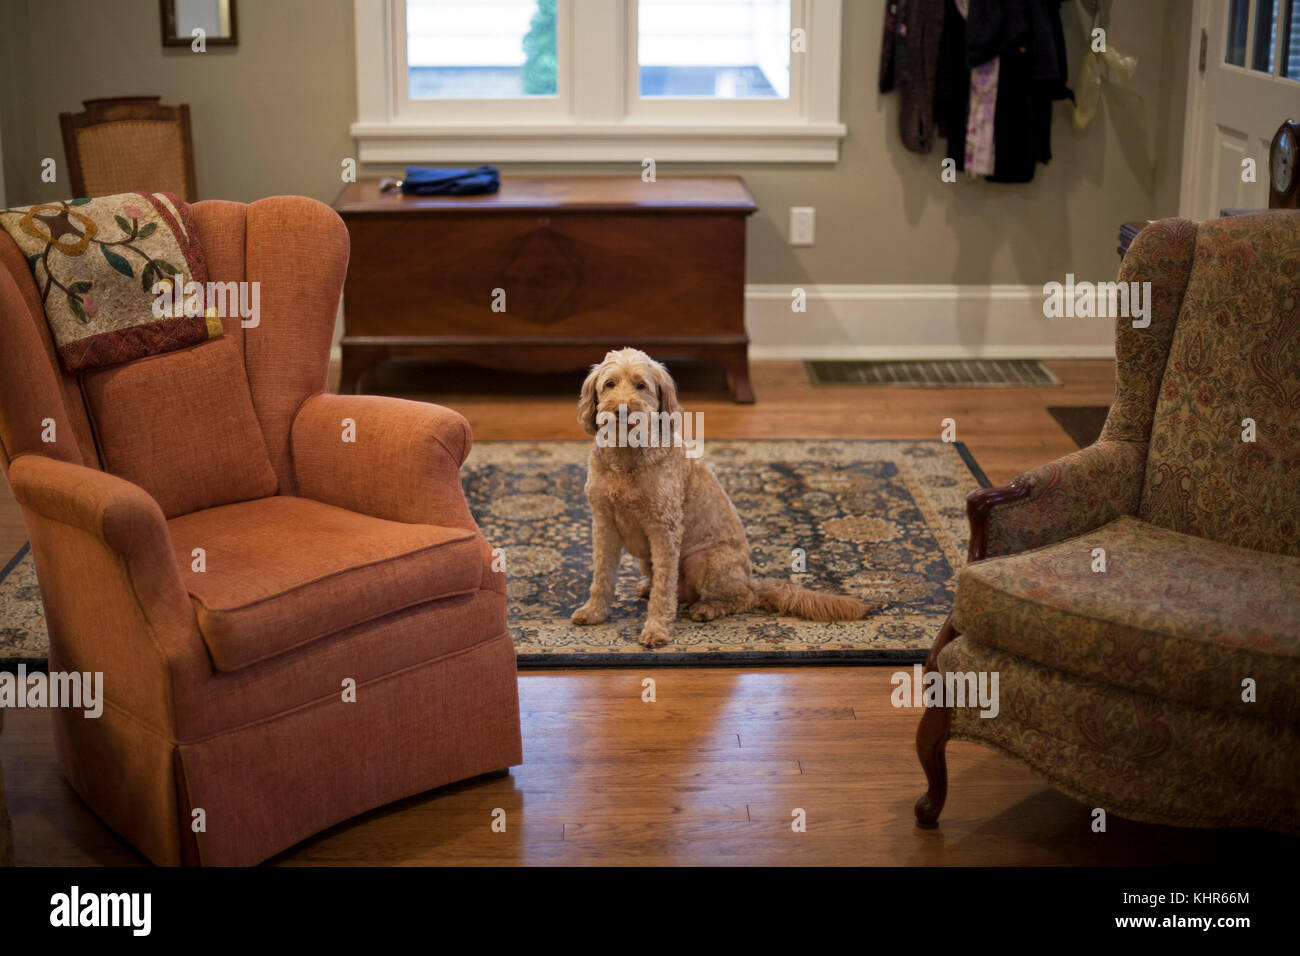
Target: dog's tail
{"points": [[782, 597]]}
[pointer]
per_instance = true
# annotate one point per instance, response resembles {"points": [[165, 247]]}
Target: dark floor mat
{"points": [[1081, 422]]}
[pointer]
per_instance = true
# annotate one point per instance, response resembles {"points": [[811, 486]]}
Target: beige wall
{"points": [[272, 117]]}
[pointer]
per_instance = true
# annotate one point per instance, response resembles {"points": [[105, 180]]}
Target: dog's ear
{"points": [[587, 400], [667, 388]]}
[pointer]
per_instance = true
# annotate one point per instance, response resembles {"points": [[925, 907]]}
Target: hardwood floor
{"points": [[712, 771]]}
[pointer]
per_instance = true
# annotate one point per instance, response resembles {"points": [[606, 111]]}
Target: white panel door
{"points": [[1244, 82]]}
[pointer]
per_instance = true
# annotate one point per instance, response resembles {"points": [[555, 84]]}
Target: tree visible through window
{"points": [[539, 51], [480, 49]]}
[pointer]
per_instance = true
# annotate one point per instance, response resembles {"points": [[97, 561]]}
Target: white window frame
{"points": [[596, 115]]}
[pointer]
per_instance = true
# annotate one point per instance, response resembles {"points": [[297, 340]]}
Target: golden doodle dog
{"points": [[670, 512]]}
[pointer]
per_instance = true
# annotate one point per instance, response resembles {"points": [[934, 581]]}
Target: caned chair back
{"points": [[129, 144]]}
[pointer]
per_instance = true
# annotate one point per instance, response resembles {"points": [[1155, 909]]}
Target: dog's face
{"points": [[626, 377]]}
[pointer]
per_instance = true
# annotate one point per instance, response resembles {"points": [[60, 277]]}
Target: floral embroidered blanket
{"points": [[103, 266]]}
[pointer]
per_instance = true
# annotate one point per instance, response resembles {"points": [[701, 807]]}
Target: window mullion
{"points": [[596, 73]]}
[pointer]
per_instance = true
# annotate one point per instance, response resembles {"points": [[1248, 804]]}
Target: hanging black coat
{"points": [[1029, 41], [952, 84]]}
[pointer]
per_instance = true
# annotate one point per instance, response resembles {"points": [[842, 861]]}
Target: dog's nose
{"points": [[618, 403]]}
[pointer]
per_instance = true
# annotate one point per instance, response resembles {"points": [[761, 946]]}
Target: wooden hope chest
{"points": [[549, 273]]}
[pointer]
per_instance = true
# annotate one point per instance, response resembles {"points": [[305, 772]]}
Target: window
{"points": [[480, 49], [598, 80], [726, 49], [1290, 45], [1238, 24], [1267, 33]]}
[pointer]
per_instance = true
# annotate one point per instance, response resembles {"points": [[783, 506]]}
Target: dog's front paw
{"points": [[655, 635], [590, 614]]}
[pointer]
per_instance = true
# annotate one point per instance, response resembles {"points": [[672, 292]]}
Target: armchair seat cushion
{"points": [[281, 572], [1171, 615]]}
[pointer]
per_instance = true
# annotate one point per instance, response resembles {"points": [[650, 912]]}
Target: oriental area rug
{"points": [[884, 521]]}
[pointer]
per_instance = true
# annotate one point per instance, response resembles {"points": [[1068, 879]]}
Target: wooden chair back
{"points": [[129, 143]]}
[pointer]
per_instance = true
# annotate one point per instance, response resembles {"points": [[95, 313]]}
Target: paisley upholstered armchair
{"points": [[1140, 598]]}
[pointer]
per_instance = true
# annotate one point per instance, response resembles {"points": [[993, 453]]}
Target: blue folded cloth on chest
{"points": [[430, 181]]}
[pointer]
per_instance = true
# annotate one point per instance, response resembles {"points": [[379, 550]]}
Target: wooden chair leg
{"points": [[946, 634], [931, 738]]}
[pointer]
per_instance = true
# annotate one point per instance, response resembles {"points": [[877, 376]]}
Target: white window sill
{"points": [[597, 142]]}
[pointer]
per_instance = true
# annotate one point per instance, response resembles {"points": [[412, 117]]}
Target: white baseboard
{"points": [[917, 322]]}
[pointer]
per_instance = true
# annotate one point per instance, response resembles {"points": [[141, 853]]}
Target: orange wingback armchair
{"points": [[294, 612]]}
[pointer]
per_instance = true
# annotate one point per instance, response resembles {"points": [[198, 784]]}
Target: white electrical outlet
{"points": [[801, 225]]}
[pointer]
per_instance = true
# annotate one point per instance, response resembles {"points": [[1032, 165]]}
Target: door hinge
{"points": [[1205, 40]]}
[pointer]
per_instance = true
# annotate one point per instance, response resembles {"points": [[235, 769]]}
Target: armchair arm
{"points": [[1059, 500], [403, 464], [113, 595], [121, 515]]}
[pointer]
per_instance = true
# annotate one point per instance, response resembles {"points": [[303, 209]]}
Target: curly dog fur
{"points": [[670, 512]]}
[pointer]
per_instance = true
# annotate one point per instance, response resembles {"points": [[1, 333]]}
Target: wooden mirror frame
{"points": [[167, 16]]}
